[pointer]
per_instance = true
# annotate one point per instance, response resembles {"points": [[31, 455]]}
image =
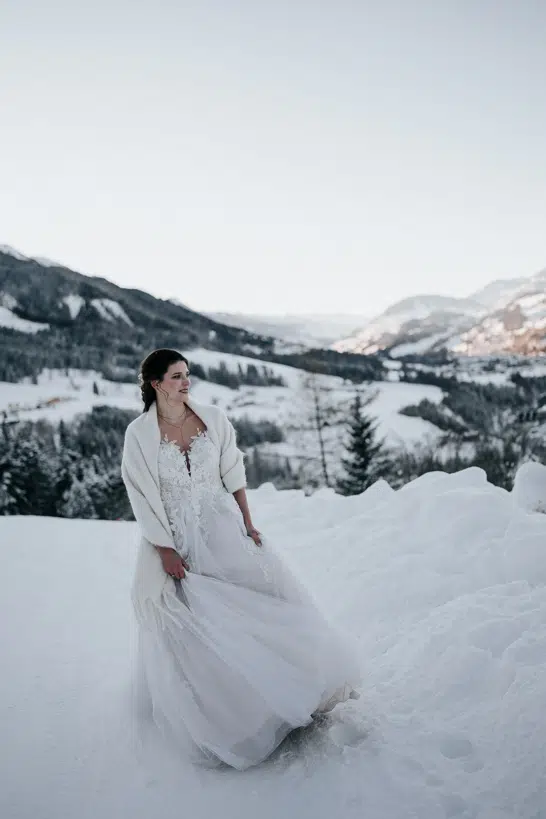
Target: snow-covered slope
{"points": [[443, 586], [498, 293], [108, 318], [110, 310], [59, 396], [45, 262], [307, 330], [74, 302], [517, 325], [11, 251], [504, 317], [8, 318], [14, 322], [423, 320]]}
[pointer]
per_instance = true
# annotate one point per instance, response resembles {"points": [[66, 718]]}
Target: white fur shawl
{"points": [[139, 470]]}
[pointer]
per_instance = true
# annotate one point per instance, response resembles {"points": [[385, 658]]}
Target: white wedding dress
{"points": [[239, 655]]}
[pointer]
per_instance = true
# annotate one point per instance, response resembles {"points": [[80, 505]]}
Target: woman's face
{"points": [[175, 384]]}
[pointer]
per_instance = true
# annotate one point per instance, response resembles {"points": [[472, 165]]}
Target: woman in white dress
{"points": [[233, 653]]}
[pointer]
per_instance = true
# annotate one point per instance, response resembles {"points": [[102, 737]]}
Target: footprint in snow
{"points": [[347, 727], [458, 747]]}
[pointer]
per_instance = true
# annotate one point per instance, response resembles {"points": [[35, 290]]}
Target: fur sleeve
{"points": [[134, 473], [232, 468]]}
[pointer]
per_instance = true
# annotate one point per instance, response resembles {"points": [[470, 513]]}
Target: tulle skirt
{"points": [[237, 654]]}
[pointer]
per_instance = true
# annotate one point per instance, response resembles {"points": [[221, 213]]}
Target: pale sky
{"points": [[277, 156]]}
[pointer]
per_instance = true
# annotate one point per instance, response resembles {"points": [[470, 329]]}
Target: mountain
{"points": [[517, 325], [415, 324], [505, 317], [498, 293], [307, 330], [53, 317]]}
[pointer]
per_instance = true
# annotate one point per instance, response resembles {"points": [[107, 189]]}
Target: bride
{"points": [[233, 653]]}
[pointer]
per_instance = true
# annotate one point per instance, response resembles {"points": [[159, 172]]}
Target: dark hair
{"points": [[153, 368]]}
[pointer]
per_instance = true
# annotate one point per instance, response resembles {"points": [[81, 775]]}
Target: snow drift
{"points": [[443, 584]]}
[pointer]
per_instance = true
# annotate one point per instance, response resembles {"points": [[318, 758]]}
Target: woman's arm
{"points": [[133, 472], [242, 500], [151, 527], [232, 469]]}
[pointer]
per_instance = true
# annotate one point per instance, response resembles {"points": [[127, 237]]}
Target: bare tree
{"points": [[322, 405]]}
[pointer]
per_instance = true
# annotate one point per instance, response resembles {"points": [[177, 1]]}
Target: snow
{"points": [[14, 322], [110, 310], [531, 301], [530, 487], [443, 586], [391, 398], [498, 379], [536, 369], [58, 396], [278, 403], [12, 252], [74, 302], [384, 329], [45, 262], [213, 358], [9, 301], [42, 260], [486, 323], [498, 293], [285, 407], [415, 347], [514, 329], [298, 330]]}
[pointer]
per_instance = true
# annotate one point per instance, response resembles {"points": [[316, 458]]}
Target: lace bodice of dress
{"points": [[186, 492]]}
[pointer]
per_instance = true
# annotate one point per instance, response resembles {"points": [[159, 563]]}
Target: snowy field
{"points": [[475, 369], [59, 396], [443, 586]]}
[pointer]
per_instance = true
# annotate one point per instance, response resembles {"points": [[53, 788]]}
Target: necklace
{"points": [[172, 424]]}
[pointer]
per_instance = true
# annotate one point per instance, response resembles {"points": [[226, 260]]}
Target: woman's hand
{"points": [[254, 534], [173, 564]]}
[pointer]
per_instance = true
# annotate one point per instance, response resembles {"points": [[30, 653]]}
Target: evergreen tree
{"points": [[8, 504], [362, 462], [77, 502], [65, 475], [108, 495], [25, 476]]}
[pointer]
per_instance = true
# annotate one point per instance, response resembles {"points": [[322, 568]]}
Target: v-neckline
{"points": [[185, 453], [165, 440]]}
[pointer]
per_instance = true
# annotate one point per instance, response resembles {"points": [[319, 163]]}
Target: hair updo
{"points": [[153, 368]]}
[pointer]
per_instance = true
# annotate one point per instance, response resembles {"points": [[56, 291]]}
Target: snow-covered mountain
{"points": [[506, 316], [498, 293], [307, 330], [415, 324], [516, 325], [11, 251], [88, 322]]}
